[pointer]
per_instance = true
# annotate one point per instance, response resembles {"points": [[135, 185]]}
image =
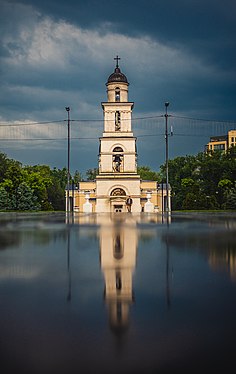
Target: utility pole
{"points": [[167, 168], [68, 161]]}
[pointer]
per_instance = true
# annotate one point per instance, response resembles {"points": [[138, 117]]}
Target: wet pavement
{"points": [[120, 293]]}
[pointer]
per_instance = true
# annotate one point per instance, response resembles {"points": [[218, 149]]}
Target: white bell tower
{"points": [[117, 178]]}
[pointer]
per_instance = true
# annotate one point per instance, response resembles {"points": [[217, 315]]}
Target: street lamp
{"points": [[167, 169], [68, 161]]}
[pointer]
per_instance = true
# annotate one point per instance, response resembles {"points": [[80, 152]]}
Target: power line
{"points": [[72, 120], [151, 120], [4, 124], [28, 123], [125, 119], [94, 138], [205, 120]]}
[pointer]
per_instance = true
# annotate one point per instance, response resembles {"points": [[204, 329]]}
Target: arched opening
{"points": [[117, 149], [117, 94], [118, 251], [118, 199], [117, 159], [118, 281], [117, 120], [118, 192]]}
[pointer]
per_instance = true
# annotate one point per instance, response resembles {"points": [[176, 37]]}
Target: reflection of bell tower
{"points": [[118, 259], [117, 152]]}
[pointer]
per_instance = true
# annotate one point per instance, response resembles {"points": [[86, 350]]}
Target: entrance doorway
{"points": [[117, 199], [118, 208]]}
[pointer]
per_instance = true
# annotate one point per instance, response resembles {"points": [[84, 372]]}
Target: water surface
{"points": [[117, 293]]}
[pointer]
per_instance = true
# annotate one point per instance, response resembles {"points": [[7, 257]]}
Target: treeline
{"points": [[31, 187], [35, 187], [204, 181]]}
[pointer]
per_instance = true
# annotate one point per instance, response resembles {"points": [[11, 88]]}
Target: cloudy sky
{"points": [[57, 53]]}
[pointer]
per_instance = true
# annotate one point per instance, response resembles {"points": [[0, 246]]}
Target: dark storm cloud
{"points": [[206, 27], [202, 31], [56, 53]]}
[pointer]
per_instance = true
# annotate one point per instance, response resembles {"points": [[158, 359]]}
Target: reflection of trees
{"points": [[9, 239], [29, 228], [146, 236], [224, 260], [218, 246]]}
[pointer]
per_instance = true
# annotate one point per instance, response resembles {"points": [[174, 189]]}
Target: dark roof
{"points": [[117, 76], [218, 138], [72, 187]]}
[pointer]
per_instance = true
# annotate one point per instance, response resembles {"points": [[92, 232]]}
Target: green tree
{"points": [[56, 192], [179, 168], [190, 201], [14, 173], [47, 185], [77, 177], [60, 175], [4, 163], [4, 200], [91, 174], [188, 183], [39, 179], [230, 201], [203, 181], [26, 200], [56, 196], [225, 184], [37, 183], [146, 173]]}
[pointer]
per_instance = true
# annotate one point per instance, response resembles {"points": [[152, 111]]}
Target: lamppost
{"points": [[167, 168], [68, 161]]}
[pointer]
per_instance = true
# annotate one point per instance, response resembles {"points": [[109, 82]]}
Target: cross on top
{"points": [[117, 58]]}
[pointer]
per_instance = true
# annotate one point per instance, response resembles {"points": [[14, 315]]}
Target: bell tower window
{"points": [[117, 94], [117, 121], [117, 160]]}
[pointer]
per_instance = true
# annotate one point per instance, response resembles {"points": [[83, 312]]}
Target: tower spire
{"points": [[117, 58]]}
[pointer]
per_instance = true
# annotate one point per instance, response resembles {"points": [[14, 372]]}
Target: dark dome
{"points": [[117, 76]]}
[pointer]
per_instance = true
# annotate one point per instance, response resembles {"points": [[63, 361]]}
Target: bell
{"points": [[117, 158]]}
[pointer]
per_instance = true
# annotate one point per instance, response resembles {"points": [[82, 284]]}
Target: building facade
{"points": [[222, 142], [118, 178]]}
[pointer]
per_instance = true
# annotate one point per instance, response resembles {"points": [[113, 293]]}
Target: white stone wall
{"points": [[104, 188], [108, 144], [129, 163], [129, 155], [111, 87], [125, 110], [106, 163]]}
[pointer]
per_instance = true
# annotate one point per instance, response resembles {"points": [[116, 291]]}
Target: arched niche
{"points": [[118, 192], [117, 159], [117, 94]]}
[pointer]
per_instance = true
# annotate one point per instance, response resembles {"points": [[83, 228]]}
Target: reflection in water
{"points": [[68, 265], [167, 273], [118, 240], [65, 326], [214, 238], [118, 247], [224, 261]]}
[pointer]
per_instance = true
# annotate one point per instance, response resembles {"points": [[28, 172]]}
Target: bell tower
{"points": [[117, 178]]}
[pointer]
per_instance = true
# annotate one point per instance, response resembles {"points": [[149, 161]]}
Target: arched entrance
{"points": [[117, 200]]}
